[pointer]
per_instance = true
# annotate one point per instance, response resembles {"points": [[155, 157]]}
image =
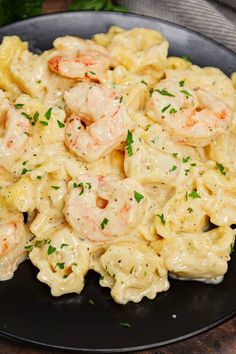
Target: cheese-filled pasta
{"points": [[115, 158]]}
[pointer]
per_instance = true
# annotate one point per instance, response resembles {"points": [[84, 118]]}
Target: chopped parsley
{"points": [[125, 324], [186, 93], [190, 210], [174, 167], [175, 154], [173, 110], [194, 195], [29, 247], [24, 171], [60, 124], [38, 243], [162, 218], [48, 113], [36, 116], [19, 105], [221, 168], [82, 188], [27, 116], [143, 82], [60, 265], [165, 108], [138, 197], [131, 270], [64, 245], [91, 302], [186, 172], [43, 122], [121, 99], [181, 83], [129, 142], [186, 159], [51, 249], [104, 223], [55, 187], [24, 163], [164, 92], [39, 177]]}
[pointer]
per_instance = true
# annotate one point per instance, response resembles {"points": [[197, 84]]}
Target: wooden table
{"points": [[221, 340]]}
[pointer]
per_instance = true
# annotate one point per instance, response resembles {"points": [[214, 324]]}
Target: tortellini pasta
{"points": [[115, 158]]}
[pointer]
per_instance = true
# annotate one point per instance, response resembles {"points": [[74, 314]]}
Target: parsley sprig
{"points": [[96, 5]]}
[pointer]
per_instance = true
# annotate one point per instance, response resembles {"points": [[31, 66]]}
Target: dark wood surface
{"points": [[221, 340]]}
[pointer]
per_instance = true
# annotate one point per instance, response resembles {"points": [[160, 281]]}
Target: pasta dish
{"points": [[116, 158]]}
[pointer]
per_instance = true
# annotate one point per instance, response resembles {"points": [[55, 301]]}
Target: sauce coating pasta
{"points": [[115, 158]]}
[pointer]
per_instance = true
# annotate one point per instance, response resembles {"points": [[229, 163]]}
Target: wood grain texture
{"points": [[221, 340]]}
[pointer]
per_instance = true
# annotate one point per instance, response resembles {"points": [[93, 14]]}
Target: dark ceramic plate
{"points": [[27, 310]]}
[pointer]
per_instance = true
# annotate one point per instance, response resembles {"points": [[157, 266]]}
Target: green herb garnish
{"points": [[221, 168], [162, 218], [129, 142], [138, 197], [60, 124], [104, 223]]}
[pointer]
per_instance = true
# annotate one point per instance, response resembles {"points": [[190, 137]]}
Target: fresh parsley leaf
{"points": [[27, 116], [60, 124], [129, 142], [104, 223], [186, 159], [13, 10], [36, 116], [125, 324], [19, 105], [138, 196], [194, 195], [43, 122], [165, 108], [174, 167], [221, 168], [24, 171], [143, 82], [162, 218], [96, 5], [55, 187], [186, 93], [164, 92], [51, 249], [60, 265], [48, 113], [64, 245]]}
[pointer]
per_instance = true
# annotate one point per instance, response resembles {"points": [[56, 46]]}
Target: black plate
{"points": [[27, 310]]}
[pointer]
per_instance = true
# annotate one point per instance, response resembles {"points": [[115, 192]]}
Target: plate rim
{"points": [[232, 314], [122, 14]]}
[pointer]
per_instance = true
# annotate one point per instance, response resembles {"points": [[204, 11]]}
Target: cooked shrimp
{"points": [[9, 236], [102, 208], [193, 117], [79, 59], [16, 138], [12, 242], [105, 117]]}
